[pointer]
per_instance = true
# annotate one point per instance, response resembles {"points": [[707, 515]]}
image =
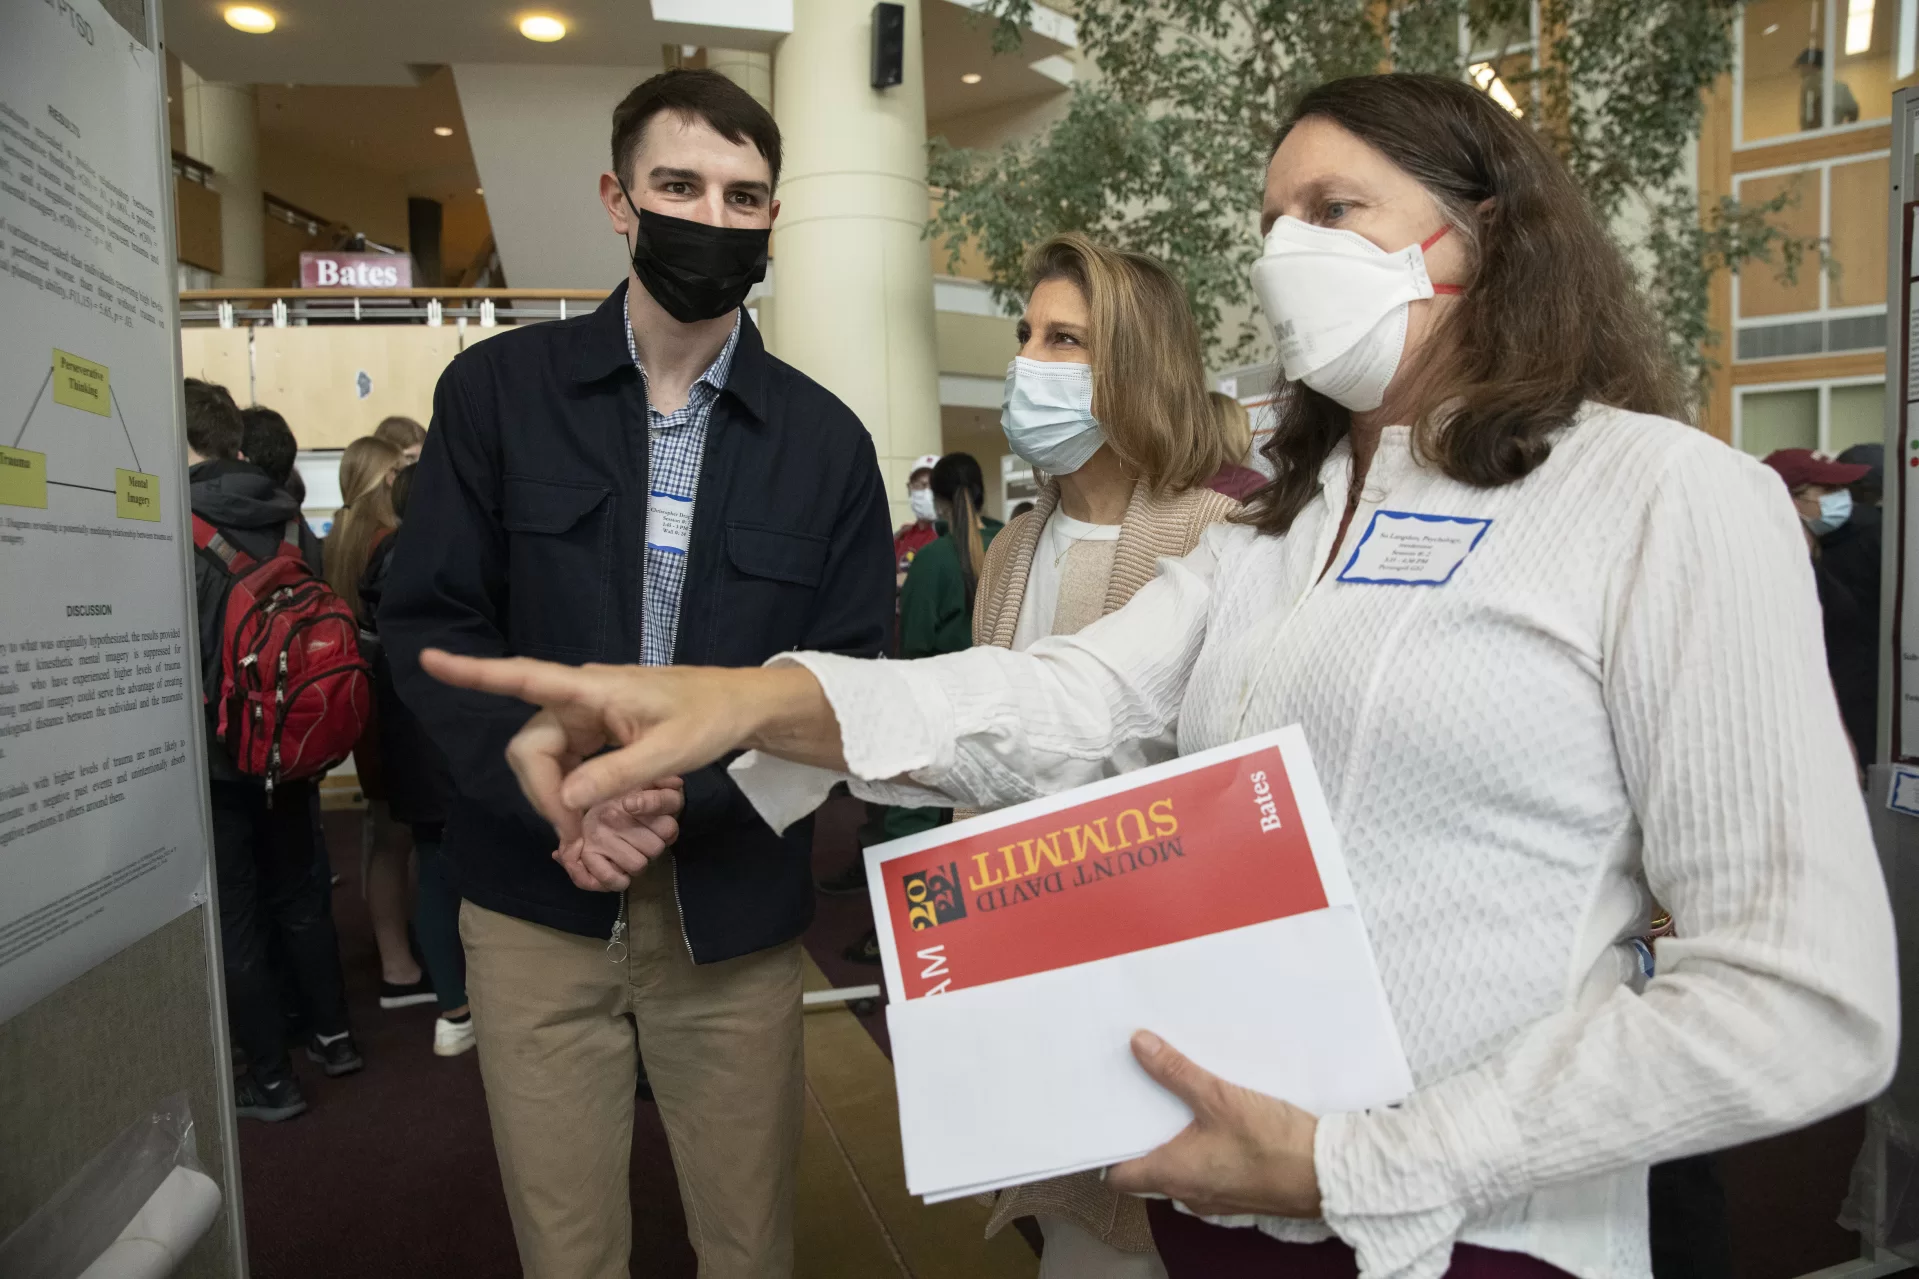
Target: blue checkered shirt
{"points": [[675, 444]]}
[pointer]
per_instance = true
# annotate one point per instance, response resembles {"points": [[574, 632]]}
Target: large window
{"points": [[1829, 416], [1809, 65], [1842, 202], [1498, 40]]}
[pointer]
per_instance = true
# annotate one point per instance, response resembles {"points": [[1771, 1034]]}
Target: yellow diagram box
{"points": [[81, 383], [136, 496], [23, 478]]}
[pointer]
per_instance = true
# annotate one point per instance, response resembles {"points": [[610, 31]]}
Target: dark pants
{"points": [[273, 886], [1690, 1238], [1193, 1249], [436, 919]]}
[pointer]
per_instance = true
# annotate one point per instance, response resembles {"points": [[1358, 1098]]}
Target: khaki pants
{"points": [[556, 1022]]}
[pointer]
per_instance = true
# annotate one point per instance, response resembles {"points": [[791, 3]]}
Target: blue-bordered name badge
{"points": [[1406, 548], [1903, 795], [669, 523]]}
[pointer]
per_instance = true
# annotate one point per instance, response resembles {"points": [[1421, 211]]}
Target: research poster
{"points": [[100, 835], [1905, 630]]}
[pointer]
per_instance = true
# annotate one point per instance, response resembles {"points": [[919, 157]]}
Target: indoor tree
{"points": [[1163, 145]]}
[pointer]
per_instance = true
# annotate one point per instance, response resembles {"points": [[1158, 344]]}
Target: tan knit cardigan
{"points": [[1152, 528]]}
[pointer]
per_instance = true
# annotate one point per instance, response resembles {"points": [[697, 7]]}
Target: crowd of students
{"points": [[284, 982]]}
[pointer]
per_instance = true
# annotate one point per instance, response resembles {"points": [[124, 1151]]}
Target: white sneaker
{"points": [[451, 1038]]}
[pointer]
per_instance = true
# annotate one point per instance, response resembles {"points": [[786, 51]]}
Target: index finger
{"points": [[543, 683]]}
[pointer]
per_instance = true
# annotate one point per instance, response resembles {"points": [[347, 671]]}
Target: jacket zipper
{"points": [[682, 914], [617, 942]]}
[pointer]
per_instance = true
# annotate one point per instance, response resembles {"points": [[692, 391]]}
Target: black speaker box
{"points": [[889, 45]]}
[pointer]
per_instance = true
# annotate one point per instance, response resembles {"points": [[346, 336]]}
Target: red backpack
{"points": [[294, 692]]}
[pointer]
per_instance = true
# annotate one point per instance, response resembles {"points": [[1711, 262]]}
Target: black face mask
{"points": [[695, 271]]}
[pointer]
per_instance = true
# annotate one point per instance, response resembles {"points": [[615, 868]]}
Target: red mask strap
{"points": [[1425, 245]]}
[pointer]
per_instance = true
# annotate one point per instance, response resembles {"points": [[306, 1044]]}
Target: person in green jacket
{"points": [[936, 603], [936, 616]]}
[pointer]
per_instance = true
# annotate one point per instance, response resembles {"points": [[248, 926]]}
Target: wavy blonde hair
{"points": [[1149, 382], [368, 512]]}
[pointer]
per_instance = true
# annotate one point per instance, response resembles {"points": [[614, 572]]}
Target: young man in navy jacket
{"points": [[644, 484]]}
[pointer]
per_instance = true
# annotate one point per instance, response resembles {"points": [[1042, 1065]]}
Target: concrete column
{"points": [[751, 71], [852, 300], [223, 130]]}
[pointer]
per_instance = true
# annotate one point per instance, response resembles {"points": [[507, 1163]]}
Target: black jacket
{"points": [[419, 784], [1847, 572], [241, 501], [523, 536]]}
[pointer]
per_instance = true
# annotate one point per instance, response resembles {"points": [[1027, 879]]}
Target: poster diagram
{"points": [[85, 385]]}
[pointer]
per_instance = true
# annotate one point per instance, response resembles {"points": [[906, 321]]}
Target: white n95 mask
{"points": [[1339, 305], [1047, 414]]}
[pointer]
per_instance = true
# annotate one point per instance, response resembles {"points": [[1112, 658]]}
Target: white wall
{"points": [[540, 138]]}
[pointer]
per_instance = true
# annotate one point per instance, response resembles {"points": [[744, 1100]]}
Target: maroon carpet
{"points": [[391, 1171]]}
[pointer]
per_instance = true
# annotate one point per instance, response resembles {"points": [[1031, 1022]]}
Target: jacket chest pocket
{"points": [[773, 577], [560, 564]]}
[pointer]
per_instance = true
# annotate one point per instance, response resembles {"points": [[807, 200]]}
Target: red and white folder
{"points": [[1203, 899]]}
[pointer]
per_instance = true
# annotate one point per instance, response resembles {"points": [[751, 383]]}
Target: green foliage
{"points": [[1163, 149]]}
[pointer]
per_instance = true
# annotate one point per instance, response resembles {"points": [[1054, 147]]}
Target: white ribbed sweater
{"points": [[1626, 678]]}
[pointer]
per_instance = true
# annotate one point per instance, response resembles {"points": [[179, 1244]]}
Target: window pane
{"points": [[1858, 416], [1859, 233], [1771, 420], [1862, 76], [1782, 77], [1761, 291]]}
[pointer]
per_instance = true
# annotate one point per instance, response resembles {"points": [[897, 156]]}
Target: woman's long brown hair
{"points": [[1551, 315], [368, 513]]}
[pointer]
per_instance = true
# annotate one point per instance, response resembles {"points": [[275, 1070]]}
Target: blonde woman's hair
{"points": [[1235, 427], [1149, 383], [368, 511], [402, 433]]}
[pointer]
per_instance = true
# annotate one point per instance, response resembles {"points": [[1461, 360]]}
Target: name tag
{"points": [[1402, 548], [669, 523]]}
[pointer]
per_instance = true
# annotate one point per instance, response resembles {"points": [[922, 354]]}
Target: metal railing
{"points": [[283, 308]]}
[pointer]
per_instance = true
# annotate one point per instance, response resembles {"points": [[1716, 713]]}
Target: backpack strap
{"points": [[209, 538]]}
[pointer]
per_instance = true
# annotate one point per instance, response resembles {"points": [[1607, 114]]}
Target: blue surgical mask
{"points": [[1047, 414], [1835, 508]]}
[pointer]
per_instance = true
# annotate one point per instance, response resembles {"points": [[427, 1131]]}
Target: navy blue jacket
{"points": [[523, 537]]}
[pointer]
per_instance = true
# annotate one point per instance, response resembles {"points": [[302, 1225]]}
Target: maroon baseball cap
{"points": [[1803, 466]]}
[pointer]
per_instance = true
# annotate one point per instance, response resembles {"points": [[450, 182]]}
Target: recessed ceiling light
{"points": [[442, 131], [255, 22], [542, 28], [971, 77], [479, 190]]}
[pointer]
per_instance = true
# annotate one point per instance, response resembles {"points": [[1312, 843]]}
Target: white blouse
{"points": [[1622, 685]]}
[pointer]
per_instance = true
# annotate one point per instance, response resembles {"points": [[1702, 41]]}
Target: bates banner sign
{"points": [[356, 271]]}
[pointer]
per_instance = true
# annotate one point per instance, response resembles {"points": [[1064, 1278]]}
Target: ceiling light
{"points": [[442, 131], [1489, 82], [542, 28], [1858, 27], [1769, 30], [255, 22], [479, 190], [971, 77]]}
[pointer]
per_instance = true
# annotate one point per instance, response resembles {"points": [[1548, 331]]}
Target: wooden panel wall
{"points": [[312, 376]]}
